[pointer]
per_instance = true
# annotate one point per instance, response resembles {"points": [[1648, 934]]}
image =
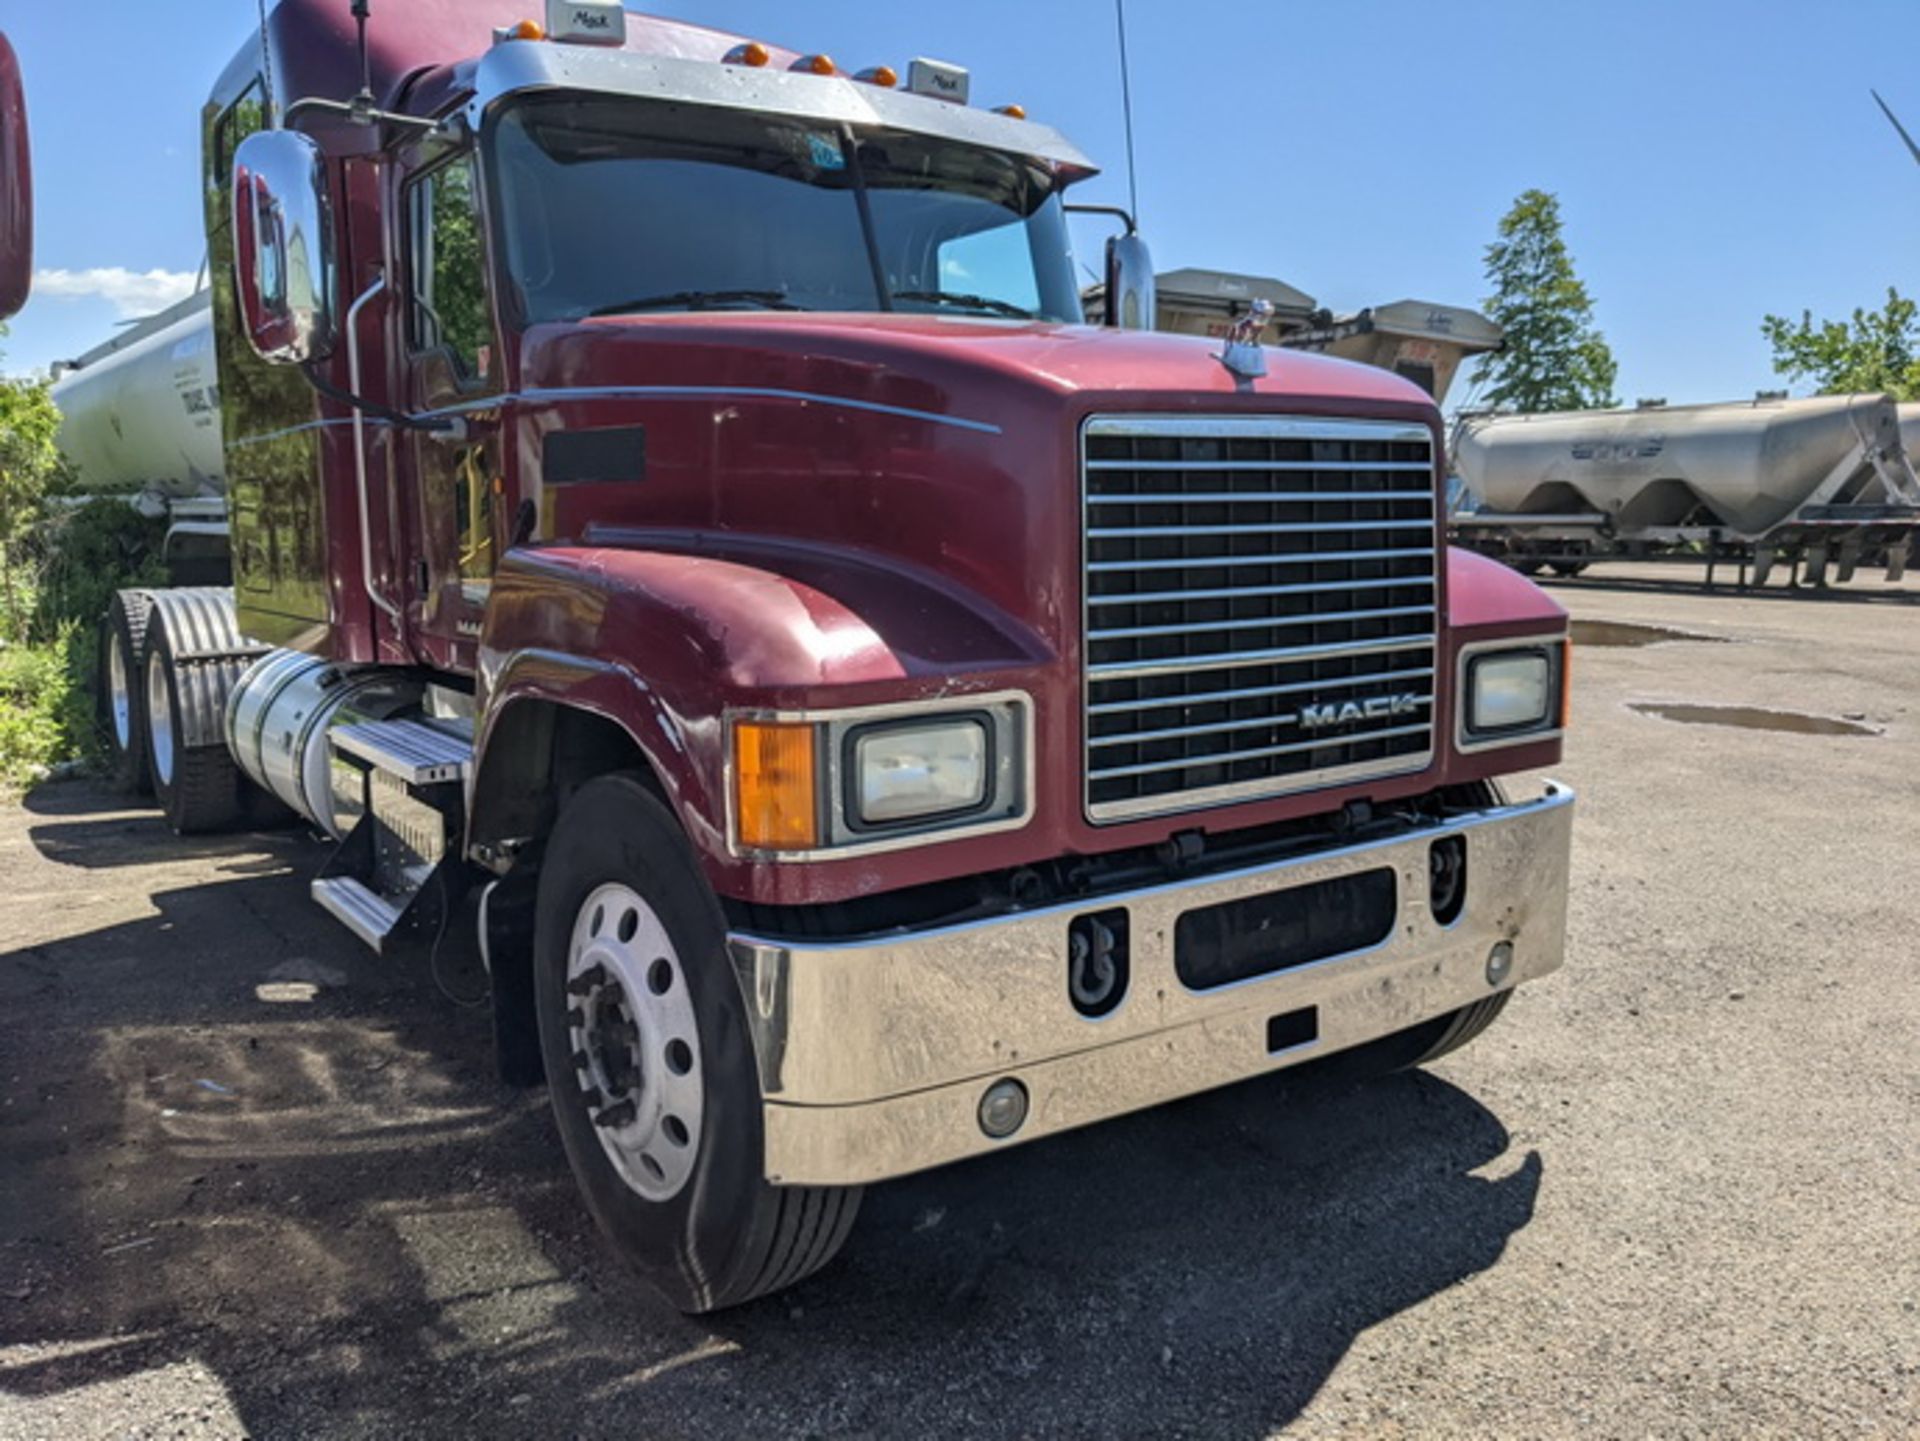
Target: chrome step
{"points": [[410, 750], [369, 916]]}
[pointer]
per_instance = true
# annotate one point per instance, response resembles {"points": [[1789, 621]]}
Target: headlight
{"points": [[914, 771], [816, 785], [1510, 693]]}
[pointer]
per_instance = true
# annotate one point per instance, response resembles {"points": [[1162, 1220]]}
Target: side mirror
{"points": [[283, 247], [16, 188], [1130, 296]]}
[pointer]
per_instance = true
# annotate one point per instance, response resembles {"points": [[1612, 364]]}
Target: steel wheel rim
{"points": [[160, 719], [119, 693], [635, 1041]]}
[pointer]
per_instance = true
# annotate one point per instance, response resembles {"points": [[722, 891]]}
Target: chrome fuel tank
{"points": [[280, 712]]}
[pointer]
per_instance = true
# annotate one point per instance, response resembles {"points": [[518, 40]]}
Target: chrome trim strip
{"points": [[1271, 622], [1304, 527], [1212, 797], [1157, 597], [1423, 467], [1191, 763], [1128, 738], [1281, 655], [1257, 497], [1304, 557], [1260, 427], [1555, 644], [1113, 707], [872, 1052], [558, 394]]}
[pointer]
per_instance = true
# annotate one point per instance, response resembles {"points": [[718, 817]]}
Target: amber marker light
{"points": [[885, 76], [775, 794], [752, 53], [1566, 681], [1018, 112], [820, 64], [528, 30]]}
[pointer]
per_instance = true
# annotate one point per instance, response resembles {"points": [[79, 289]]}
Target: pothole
{"points": [[1629, 633], [1752, 718]]}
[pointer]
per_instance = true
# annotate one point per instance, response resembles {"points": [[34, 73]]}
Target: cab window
{"points": [[448, 274]]}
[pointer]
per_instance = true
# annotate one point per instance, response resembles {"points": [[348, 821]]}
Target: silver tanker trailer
{"points": [[1820, 481], [140, 418]]}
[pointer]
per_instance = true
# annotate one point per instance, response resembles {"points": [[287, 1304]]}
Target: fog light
{"points": [[1499, 962], [1003, 1109]]}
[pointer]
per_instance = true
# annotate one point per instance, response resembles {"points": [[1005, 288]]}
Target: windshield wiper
{"points": [[700, 300], [969, 302]]}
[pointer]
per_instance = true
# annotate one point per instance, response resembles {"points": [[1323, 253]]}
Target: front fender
{"points": [[664, 643]]}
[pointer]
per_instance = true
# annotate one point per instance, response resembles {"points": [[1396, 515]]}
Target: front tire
{"points": [[651, 1066]]}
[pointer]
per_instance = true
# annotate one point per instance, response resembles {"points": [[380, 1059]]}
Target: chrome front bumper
{"points": [[873, 1054]]}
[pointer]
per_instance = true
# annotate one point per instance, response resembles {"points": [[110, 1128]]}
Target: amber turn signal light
{"points": [[775, 790], [528, 30], [754, 53], [1566, 682]]}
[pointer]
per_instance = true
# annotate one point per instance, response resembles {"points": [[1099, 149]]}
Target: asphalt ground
{"points": [[253, 1180]]}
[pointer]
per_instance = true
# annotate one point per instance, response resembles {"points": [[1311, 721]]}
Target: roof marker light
{"points": [[752, 53], [885, 76], [1018, 112], [818, 64], [526, 30]]}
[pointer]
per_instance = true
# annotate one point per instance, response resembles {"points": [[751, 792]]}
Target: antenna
{"points": [[1885, 110], [266, 67], [361, 13], [1126, 102]]}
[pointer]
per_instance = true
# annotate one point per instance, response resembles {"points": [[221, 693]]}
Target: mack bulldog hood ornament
{"points": [[1241, 351]]}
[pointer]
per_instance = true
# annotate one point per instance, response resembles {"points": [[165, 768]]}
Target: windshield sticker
{"points": [[826, 153]]}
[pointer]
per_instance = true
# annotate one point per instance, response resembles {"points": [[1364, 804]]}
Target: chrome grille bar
{"points": [[1359, 656]]}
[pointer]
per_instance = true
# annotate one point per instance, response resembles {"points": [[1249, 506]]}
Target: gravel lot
{"points": [[253, 1181]]}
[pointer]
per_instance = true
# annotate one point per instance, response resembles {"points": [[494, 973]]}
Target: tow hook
{"points": [[1097, 961]]}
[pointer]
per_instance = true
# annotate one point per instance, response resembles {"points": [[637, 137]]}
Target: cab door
{"points": [[454, 361]]}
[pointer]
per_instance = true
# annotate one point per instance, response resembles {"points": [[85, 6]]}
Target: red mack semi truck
{"points": [[684, 536]]}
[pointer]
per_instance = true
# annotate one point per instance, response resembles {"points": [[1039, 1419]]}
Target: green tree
{"points": [[1553, 357], [28, 460], [1877, 350]]}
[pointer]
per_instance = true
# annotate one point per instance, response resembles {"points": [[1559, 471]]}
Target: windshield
{"points": [[613, 207]]}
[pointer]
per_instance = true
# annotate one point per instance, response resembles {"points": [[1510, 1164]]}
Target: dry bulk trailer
{"points": [[1774, 474]]}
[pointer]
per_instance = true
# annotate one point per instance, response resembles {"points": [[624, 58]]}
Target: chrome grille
{"points": [[1245, 580]]}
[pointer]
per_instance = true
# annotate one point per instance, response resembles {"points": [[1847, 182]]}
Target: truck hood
{"points": [[932, 459]]}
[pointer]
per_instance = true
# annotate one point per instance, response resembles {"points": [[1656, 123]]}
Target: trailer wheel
{"points": [[651, 1067], [1568, 569], [198, 787], [121, 689]]}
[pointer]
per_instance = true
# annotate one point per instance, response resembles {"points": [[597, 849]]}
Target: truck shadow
{"points": [[87, 824], [328, 1206]]}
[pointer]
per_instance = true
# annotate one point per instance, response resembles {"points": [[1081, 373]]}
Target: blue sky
{"points": [[1714, 160]]}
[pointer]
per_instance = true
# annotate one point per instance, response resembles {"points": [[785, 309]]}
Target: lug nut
{"points": [[1499, 962], [1003, 1109]]}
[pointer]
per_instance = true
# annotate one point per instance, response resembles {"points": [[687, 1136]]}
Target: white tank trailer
{"points": [[1822, 481], [140, 418]]}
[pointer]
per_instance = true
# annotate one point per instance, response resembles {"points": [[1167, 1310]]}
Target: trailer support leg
{"points": [[1849, 562], [1897, 560], [1762, 565], [1817, 565]]}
